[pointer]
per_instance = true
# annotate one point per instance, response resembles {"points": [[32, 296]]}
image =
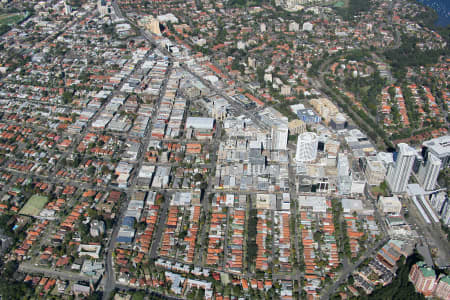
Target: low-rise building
{"points": [[390, 205], [297, 127]]}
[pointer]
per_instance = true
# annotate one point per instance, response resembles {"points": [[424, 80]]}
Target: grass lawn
{"points": [[34, 206], [9, 19], [339, 4]]}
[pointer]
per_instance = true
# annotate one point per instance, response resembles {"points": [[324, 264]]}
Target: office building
{"points": [[308, 116], [325, 108], [103, 7], [399, 172], [429, 172], [374, 170], [306, 147], [390, 205], [338, 122], [199, 123], [297, 127], [280, 133], [67, 8], [343, 165]]}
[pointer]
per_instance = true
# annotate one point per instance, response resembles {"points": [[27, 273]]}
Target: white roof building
{"points": [[307, 26], [440, 147], [200, 123], [266, 201], [390, 205], [317, 204], [352, 205]]}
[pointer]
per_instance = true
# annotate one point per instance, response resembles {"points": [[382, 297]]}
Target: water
{"points": [[442, 7]]}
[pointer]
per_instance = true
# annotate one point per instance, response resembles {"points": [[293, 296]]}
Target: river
{"points": [[442, 7]]}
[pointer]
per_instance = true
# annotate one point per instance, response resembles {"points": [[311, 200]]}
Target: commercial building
{"points": [[344, 185], [358, 183], [151, 24], [266, 201], [200, 123], [386, 158], [307, 26], [423, 278], [297, 127], [359, 143], [338, 122], [343, 167], [352, 205], [306, 147], [316, 204], [280, 134], [390, 205], [332, 147], [399, 172], [325, 108], [104, 7], [429, 172], [374, 170], [308, 116]]}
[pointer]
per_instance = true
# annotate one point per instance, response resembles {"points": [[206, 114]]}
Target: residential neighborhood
{"points": [[223, 150]]}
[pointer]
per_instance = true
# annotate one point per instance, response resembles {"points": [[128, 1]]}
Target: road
{"points": [[348, 267], [65, 275], [377, 214], [110, 280], [163, 211], [320, 85], [123, 287], [160, 228], [295, 236], [234, 103], [110, 283], [430, 234], [208, 192], [346, 272]]}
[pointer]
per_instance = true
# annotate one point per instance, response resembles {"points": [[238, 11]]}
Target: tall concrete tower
{"points": [[429, 172], [399, 172], [307, 143], [280, 133]]}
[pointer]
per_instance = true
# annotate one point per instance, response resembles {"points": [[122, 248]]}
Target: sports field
{"points": [[9, 19], [34, 206]]}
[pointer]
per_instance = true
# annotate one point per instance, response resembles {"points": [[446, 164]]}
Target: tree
{"points": [[252, 247], [91, 170], [138, 295], [9, 288], [401, 287], [10, 268], [391, 91]]}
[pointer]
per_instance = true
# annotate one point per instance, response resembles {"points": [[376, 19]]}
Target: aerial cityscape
{"points": [[224, 149]]}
